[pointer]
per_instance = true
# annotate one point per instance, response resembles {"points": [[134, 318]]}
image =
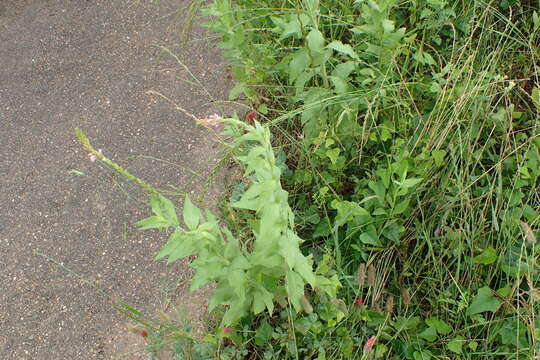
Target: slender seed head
{"points": [[361, 274], [371, 275]]}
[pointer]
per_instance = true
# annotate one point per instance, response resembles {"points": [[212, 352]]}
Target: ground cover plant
{"points": [[408, 134], [394, 211]]}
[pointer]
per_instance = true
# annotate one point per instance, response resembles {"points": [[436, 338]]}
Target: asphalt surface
{"points": [[89, 64]]}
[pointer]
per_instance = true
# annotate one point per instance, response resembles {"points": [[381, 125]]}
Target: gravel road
{"points": [[89, 64]]}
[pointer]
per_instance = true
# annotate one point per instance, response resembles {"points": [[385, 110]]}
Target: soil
{"points": [[68, 246]]}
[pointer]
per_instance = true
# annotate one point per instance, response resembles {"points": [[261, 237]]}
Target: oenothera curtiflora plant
{"points": [[249, 277]]}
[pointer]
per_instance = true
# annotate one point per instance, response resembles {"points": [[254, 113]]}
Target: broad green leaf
{"points": [[323, 228], [174, 241], [456, 345], [262, 298], [169, 210], [404, 324], [392, 231], [483, 301], [346, 211], [438, 156], [422, 355], [388, 25], [341, 86], [333, 154], [287, 29], [237, 90], [299, 62], [439, 325], [192, 214], [488, 256], [235, 312], [429, 334], [343, 70], [401, 207], [370, 237], [303, 267], [343, 48], [250, 199], [295, 289], [315, 41], [264, 333]]}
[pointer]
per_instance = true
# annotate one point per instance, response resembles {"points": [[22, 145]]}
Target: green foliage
{"points": [[248, 276], [409, 142]]}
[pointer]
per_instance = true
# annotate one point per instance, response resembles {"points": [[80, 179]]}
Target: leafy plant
{"points": [[249, 276]]}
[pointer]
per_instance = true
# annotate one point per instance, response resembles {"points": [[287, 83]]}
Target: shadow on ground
{"points": [[88, 64]]}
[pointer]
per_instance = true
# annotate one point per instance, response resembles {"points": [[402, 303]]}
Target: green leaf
{"points": [[343, 70], [488, 256], [343, 48], [409, 183], [439, 325], [315, 41], [192, 214], [370, 237], [323, 229], [287, 29], [429, 334], [483, 301], [405, 324], [422, 355], [168, 210], [264, 333], [299, 62], [152, 222], [295, 289], [177, 247], [341, 86], [401, 207], [438, 156], [333, 154], [262, 298], [388, 25], [456, 344]]}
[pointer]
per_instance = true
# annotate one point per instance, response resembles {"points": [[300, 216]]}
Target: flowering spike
{"points": [[369, 343]]}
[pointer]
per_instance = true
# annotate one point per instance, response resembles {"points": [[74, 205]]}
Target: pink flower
{"points": [[252, 115], [215, 116], [211, 120], [226, 330], [369, 343], [93, 157], [359, 302]]}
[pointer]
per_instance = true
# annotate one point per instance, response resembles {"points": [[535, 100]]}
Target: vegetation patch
{"points": [[394, 213]]}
